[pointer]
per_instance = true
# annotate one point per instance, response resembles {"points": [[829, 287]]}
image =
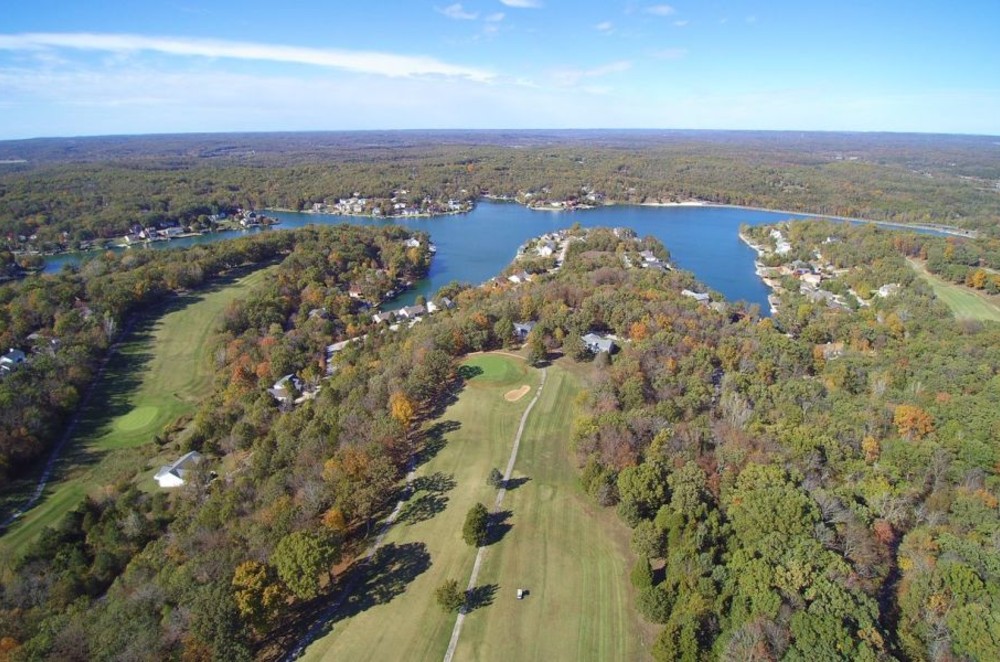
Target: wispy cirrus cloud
{"points": [[495, 17], [604, 26], [572, 77], [457, 12], [522, 4], [660, 10], [669, 53], [367, 62]]}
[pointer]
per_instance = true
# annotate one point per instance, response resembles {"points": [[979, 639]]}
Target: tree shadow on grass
{"points": [[366, 584], [480, 596], [514, 483], [438, 483], [498, 526], [467, 372], [385, 576], [434, 441], [422, 508]]}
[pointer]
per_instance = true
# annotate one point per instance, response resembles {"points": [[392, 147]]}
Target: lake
{"points": [[474, 247]]}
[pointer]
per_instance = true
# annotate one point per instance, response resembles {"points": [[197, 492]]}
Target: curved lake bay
{"points": [[474, 247]]}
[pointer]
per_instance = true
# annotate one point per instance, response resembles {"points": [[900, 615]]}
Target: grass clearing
{"points": [[160, 373], [964, 302], [569, 554]]}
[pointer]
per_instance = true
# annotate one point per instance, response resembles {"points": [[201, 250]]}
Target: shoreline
{"points": [[943, 230], [773, 297]]}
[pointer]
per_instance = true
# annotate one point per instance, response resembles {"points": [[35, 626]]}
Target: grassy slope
{"points": [[412, 621], [559, 546], [571, 556], [963, 301], [159, 374]]}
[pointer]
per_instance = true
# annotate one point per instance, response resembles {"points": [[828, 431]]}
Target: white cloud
{"points": [[571, 77], [681, 24], [368, 62], [660, 10], [495, 17], [456, 12], [522, 4], [604, 26]]}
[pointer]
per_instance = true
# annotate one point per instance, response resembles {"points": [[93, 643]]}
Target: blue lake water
{"points": [[474, 247]]}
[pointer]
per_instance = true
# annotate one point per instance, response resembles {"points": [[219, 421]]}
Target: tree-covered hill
{"points": [[822, 485]]}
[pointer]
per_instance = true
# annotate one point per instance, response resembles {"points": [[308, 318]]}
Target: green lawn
{"points": [[159, 374], [570, 555], [963, 301], [565, 551]]}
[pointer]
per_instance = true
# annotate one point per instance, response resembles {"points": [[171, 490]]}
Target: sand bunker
{"points": [[516, 394]]}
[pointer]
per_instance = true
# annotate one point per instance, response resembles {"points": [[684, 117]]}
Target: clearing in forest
{"points": [[571, 556], [159, 373], [964, 302]]}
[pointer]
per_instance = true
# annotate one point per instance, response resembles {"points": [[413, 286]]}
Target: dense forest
{"points": [[57, 193], [820, 485]]}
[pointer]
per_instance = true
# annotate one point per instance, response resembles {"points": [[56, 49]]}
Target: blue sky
{"points": [[74, 68]]}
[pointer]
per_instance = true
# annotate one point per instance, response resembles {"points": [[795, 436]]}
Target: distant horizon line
{"points": [[536, 130]]}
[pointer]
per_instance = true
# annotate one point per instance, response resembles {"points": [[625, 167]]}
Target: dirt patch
{"points": [[516, 394]]}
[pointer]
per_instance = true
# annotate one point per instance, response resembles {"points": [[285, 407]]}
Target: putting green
{"points": [[496, 370], [137, 419]]}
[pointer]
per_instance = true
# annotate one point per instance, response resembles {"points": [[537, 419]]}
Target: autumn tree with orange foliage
{"points": [[912, 422]]}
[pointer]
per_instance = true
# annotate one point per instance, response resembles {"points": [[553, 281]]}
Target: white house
{"points": [[887, 290], [172, 231], [700, 297], [444, 303], [519, 277], [172, 475], [811, 279], [282, 391]]}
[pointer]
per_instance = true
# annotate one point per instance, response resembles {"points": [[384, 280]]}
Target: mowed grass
{"points": [[572, 556], [159, 374], [964, 302], [496, 370], [408, 625]]}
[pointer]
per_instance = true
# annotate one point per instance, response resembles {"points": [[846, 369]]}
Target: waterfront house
{"points": [[700, 297], [412, 312]]}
